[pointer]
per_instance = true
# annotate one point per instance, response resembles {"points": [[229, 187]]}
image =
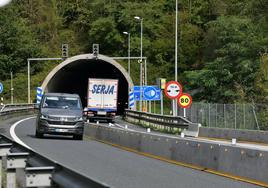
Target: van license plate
{"points": [[101, 113], [61, 130]]}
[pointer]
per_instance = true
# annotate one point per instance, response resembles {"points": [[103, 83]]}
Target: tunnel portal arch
{"points": [[71, 76]]}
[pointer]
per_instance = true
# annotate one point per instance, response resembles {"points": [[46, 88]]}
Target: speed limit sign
{"points": [[173, 89], [185, 100]]}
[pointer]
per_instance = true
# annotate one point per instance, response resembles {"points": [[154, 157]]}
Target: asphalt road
{"points": [[119, 168]]}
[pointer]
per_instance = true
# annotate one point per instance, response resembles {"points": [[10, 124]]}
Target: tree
{"points": [[232, 50], [17, 43]]}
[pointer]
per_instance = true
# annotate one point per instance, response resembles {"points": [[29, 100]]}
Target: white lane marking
{"points": [[15, 137], [123, 127]]}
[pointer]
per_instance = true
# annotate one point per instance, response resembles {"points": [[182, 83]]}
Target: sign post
{"points": [[161, 83], [162, 105]]}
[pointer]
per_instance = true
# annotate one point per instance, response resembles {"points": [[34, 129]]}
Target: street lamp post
{"points": [[128, 34], [141, 20], [128, 69], [175, 105], [29, 86], [11, 88]]}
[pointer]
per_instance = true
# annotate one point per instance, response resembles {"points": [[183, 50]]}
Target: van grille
{"points": [[61, 122], [53, 118]]}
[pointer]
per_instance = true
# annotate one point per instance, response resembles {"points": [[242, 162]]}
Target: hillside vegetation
{"points": [[222, 48]]}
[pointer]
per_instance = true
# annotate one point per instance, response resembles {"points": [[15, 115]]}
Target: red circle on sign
{"points": [[190, 102], [174, 95]]}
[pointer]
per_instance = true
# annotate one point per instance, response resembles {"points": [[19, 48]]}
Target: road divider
{"points": [[241, 135], [236, 162]]}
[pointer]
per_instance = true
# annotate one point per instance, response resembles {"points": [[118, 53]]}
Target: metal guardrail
{"points": [[31, 169], [27, 168], [156, 119], [13, 109], [9, 107]]}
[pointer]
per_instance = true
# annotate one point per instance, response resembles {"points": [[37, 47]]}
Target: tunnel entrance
{"points": [[71, 76]]}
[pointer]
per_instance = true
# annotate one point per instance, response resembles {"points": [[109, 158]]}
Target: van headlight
{"points": [[79, 119], [44, 116]]}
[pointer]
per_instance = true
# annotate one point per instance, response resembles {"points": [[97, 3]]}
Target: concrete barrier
{"points": [[193, 130], [233, 160], [240, 135], [243, 162]]}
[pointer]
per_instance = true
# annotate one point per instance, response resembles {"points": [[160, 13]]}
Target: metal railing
{"points": [[247, 116], [34, 170], [234, 116], [155, 120], [15, 109], [9, 107]]}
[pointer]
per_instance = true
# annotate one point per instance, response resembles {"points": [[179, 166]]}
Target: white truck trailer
{"points": [[102, 99]]}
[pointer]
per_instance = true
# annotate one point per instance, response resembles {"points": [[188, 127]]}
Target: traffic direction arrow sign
{"points": [[185, 100], [173, 90], [151, 93], [148, 93]]}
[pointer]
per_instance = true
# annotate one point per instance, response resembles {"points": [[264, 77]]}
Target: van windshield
{"points": [[61, 102]]}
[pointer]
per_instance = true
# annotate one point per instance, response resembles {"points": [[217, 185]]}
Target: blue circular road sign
{"points": [[1, 87], [149, 93]]}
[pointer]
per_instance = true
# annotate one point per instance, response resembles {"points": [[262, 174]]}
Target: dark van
{"points": [[60, 114]]}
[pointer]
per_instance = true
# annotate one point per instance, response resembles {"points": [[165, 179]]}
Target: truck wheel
{"points": [[38, 134], [78, 137]]}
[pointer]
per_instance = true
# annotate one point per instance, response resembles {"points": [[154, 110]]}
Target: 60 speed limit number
{"points": [[185, 100]]}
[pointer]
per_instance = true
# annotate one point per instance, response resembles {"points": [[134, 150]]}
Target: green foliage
{"points": [[222, 43], [232, 55], [17, 43]]}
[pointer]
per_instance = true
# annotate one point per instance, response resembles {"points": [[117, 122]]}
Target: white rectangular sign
{"points": [[102, 93]]}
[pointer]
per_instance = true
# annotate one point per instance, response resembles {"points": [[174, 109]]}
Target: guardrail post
{"points": [[4, 149], [37, 176], [11, 178], [13, 162]]}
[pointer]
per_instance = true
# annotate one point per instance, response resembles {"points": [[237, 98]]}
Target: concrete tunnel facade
{"points": [[71, 76]]}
